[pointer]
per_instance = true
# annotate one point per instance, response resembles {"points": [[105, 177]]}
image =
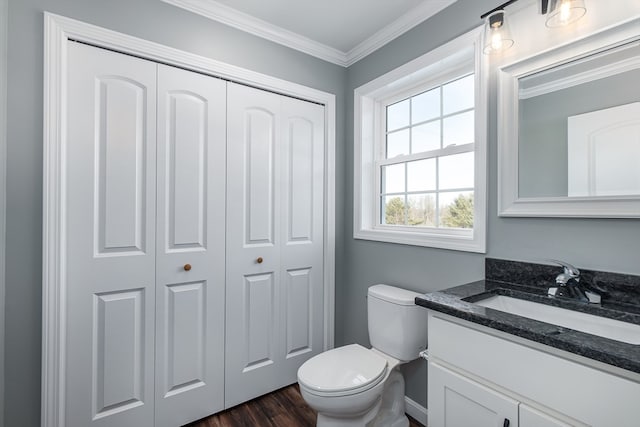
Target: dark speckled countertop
{"points": [[621, 301]]}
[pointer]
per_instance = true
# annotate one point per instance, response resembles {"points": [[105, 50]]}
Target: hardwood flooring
{"points": [[282, 408]]}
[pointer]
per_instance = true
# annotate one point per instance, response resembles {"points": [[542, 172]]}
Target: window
{"points": [[426, 171], [420, 151]]}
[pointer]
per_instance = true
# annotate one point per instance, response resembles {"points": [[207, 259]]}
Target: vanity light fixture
{"points": [[497, 37], [564, 12]]}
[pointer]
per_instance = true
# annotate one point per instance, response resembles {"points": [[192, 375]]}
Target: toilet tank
{"points": [[397, 326]]}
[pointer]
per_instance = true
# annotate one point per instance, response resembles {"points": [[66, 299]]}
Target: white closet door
{"points": [[275, 221], [301, 234], [109, 193], [190, 252]]}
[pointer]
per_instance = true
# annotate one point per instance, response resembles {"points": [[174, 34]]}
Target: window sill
{"points": [[466, 242]]}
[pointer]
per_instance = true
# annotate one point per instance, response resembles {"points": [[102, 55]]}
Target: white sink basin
{"points": [[596, 325]]}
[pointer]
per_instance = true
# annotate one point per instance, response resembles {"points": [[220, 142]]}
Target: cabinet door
{"points": [[110, 207], [275, 196], [456, 401], [530, 417], [190, 246]]}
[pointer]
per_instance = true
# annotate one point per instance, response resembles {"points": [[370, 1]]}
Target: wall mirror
{"points": [[569, 129]]}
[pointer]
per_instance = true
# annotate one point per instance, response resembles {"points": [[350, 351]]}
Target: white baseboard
{"points": [[415, 410]]}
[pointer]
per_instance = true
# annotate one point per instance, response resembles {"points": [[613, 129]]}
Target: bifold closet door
{"points": [[275, 193], [145, 232], [109, 231], [191, 244]]}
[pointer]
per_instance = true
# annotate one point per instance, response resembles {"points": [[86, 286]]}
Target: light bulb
{"points": [[496, 41], [565, 12]]}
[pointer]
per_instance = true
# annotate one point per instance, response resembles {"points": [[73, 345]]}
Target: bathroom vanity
{"points": [[489, 367]]}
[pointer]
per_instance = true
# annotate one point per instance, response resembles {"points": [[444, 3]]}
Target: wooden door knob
{"points": [[187, 267], [259, 260]]}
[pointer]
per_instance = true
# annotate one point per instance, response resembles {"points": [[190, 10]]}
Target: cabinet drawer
{"points": [[581, 392]]}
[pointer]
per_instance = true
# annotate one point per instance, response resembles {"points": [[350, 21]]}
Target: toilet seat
{"points": [[342, 371]]}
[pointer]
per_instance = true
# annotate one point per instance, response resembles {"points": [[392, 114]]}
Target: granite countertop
{"points": [[459, 302]]}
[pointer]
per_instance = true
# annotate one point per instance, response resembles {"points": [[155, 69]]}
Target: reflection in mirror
{"points": [[579, 127], [604, 152]]}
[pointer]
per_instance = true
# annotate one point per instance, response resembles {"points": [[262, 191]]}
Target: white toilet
{"points": [[356, 386]]}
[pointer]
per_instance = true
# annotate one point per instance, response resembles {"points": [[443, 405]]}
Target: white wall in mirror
{"points": [[604, 152], [616, 27]]}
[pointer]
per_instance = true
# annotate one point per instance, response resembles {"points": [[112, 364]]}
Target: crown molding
{"points": [[395, 29], [242, 21], [222, 13]]}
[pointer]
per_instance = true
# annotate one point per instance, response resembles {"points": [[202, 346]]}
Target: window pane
{"points": [[456, 209], [393, 178], [456, 171], [422, 210], [425, 106], [421, 175], [397, 143], [458, 129], [398, 115], [393, 210], [425, 137], [458, 95]]}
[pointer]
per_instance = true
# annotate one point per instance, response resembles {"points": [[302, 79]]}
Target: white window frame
{"points": [[370, 100]]}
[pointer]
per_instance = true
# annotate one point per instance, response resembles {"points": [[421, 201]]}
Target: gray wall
{"points": [[148, 19], [610, 245]]}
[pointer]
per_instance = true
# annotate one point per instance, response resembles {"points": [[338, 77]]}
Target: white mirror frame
{"points": [[510, 204]]}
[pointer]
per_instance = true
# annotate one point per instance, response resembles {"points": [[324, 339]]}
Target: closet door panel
{"points": [[275, 204], [302, 233], [298, 313], [191, 238], [121, 164], [259, 147], [109, 197], [299, 176], [118, 347], [253, 256], [186, 130], [186, 327], [259, 313]]}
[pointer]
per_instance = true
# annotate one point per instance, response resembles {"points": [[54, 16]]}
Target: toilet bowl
{"points": [[356, 386]]}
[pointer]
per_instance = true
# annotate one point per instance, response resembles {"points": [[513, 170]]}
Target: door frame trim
{"points": [[58, 30]]}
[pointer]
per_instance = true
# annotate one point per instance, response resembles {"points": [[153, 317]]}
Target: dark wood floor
{"points": [[282, 408]]}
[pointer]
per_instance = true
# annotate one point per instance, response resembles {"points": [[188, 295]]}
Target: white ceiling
{"points": [[339, 31]]}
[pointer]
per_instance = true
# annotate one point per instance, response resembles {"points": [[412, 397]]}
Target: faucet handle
{"points": [[569, 269]]}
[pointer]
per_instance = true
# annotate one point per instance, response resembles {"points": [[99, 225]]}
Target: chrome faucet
{"points": [[568, 285], [569, 273]]}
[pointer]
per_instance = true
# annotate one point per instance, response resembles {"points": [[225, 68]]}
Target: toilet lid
{"points": [[348, 368]]}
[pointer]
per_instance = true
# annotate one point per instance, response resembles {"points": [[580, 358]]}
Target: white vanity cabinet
{"points": [[482, 377], [457, 401]]}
